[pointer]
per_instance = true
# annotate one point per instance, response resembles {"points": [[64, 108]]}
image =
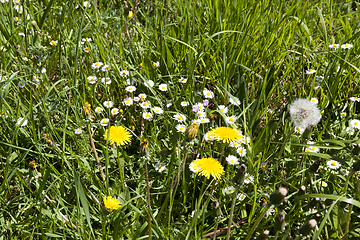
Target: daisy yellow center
{"points": [[334, 45], [333, 163], [230, 190], [97, 64], [147, 115], [202, 120], [157, 111], [316, 85], [248, 178], [346, 45], [231, 119], [222, 110], [145, 104], [181, 129], [179, 117], [356, 98], [208, 94], [232, 161], [160, 166], [356, 123], [242, 196], [118, 135], [240, 151], [308, 150], [323, 184]]}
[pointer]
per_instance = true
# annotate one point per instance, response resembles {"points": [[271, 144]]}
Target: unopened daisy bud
{"points": [[278, 196], [356, 166], [192, 130], [315, 166], [240, 175], [305, 229], [264, 235], [280, 222], [216, 212], [301, 190], [144, 147]]}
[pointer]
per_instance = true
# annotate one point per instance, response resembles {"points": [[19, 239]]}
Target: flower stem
{"points": [[148, 199], [257, 222], [96, 156], [120, 172], [231, 214]]}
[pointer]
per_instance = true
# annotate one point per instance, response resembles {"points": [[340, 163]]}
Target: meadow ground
{"points": [[208, 119]]}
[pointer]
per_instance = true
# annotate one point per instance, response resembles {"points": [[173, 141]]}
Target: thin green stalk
{"points": [[148, 200], [257, 222], [231, 214]]}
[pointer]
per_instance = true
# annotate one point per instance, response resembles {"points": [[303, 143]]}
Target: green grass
{"points": [[256, 51]]}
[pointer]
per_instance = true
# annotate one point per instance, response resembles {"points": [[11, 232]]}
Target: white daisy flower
{"points": [[230, 119], [184, 103], [316, 85], [124, 73], [158, 110], [91, 79], [319, 78], [332, 164], [96, 65], [208, 94], [98, 110], [182, 80], [304, 113], [108, 104], [106, 80], [53, 43], [78, 131], [198, 107], [346, 46], [200, 114], [235, 144], [128, 101], [179, 117], [115, 111], [87, 4], [355, 123], [232, 160], [248, 178], [312, 211], [156, 64], [235, 101], [314, 100], [136, 99], [323, 184], [299, 130], [241, 151], [344, 171], [104, 122], [105, 68], [160, 167], [86, 39], [163, 87], [147, 115], [21, 34], [150, 83], [240, 197], [209, 137], [203, 120], [144, 105], [334, 46], [350, 131], [180, 128], [21, 84], [355, 99], [310, 71], [21, 122], [142, 95], [343, 114], [168, 103], [223, 109], [130, 89], [228, 190], [312, 149]]}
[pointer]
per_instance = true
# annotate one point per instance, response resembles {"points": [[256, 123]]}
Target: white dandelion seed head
{"points": [[304, 113]]}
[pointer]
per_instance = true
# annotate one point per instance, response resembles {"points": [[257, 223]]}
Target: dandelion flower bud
{"points": [[278, 196], [32, 165], [301, 190], [240, 175], [280, 222], [305, 229], [356, 166], [304, 113], [192, 130], [144, 147], [216, 211]]}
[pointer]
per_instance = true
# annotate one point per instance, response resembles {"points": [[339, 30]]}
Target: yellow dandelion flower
{"points": [[207, 167], [111, 203], [192, 130], [226, 134], [87, 108], [32, 165], [131, 14], [118, 135]]}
